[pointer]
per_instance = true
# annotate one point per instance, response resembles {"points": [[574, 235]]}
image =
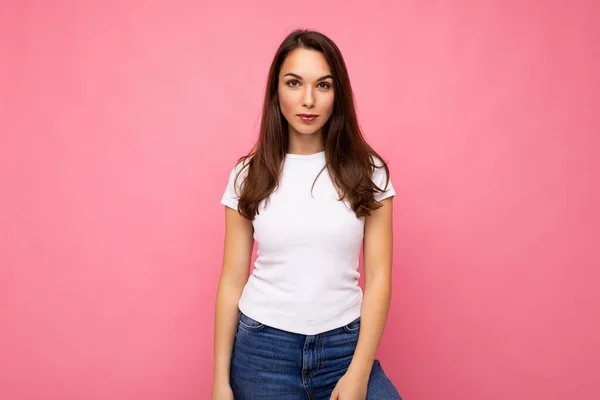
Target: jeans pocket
{"points": [[250, 324], [353, 327]]}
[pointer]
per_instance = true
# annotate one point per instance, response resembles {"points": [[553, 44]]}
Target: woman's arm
{"points": [[377, 256], [234, 275]]}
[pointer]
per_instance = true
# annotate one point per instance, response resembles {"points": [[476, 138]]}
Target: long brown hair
{"points": [[350, 160]]}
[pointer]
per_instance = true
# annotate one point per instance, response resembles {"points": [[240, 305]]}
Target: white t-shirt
{"points": [[305, 278]]}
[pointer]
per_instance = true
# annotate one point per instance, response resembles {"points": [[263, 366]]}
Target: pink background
{"points": [[120, 122]]}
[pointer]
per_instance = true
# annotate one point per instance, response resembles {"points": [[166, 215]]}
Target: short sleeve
{"points": [[380, 179], [233, 189]]}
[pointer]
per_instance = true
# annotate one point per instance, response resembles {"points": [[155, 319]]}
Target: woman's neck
{"points": [[305, 143]]}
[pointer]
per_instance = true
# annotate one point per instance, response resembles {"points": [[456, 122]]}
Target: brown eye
{"points": [[327, 85], [292, 81]]}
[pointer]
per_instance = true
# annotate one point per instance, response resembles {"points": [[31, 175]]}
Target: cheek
{"points": [[328, 104], [285, 102]]}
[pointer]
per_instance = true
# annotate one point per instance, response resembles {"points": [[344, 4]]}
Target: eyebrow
{"points": [[299, 77]]}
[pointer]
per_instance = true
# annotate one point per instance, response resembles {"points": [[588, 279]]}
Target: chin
{"points": [[305, 130]]}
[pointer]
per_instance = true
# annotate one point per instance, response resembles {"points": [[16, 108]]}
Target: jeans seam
{"points": [[304, 371], [318, 351], [251, 328]]}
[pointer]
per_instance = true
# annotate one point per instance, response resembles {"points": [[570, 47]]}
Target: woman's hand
{"points": [[222, 392], [351, 387]]}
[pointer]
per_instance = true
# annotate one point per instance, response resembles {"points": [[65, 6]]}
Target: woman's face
{"points": [[305, 88]]}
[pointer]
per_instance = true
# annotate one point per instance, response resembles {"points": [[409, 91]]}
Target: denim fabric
{"points": [[269, 363]]}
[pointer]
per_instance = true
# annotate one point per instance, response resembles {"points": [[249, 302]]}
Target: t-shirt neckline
{"points": [[305, 156]]}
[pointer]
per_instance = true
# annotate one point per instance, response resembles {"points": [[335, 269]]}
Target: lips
{"points": [[307, 117]]}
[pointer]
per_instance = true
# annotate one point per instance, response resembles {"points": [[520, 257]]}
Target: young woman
{"points": [[310, 193]]}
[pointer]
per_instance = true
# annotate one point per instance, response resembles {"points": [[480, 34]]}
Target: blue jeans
{"points": [[269, 363]]}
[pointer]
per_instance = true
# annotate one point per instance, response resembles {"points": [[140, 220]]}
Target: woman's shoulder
{"points": [[379, 165], [241, 164], [381, 177], [377, 161], [237, 176]]}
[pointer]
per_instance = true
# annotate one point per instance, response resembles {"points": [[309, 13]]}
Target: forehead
{"points": [[309, 64]]}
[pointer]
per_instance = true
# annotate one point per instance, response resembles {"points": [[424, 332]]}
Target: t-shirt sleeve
{"points": [[233, 189], [380, 179]]}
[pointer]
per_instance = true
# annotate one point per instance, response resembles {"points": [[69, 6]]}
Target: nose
{"points": [[308, 99]]}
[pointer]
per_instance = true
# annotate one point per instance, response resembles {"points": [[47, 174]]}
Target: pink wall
{"points": [[120, 122]]}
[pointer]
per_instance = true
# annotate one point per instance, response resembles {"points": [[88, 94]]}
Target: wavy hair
{"points": [[350, 160]]}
